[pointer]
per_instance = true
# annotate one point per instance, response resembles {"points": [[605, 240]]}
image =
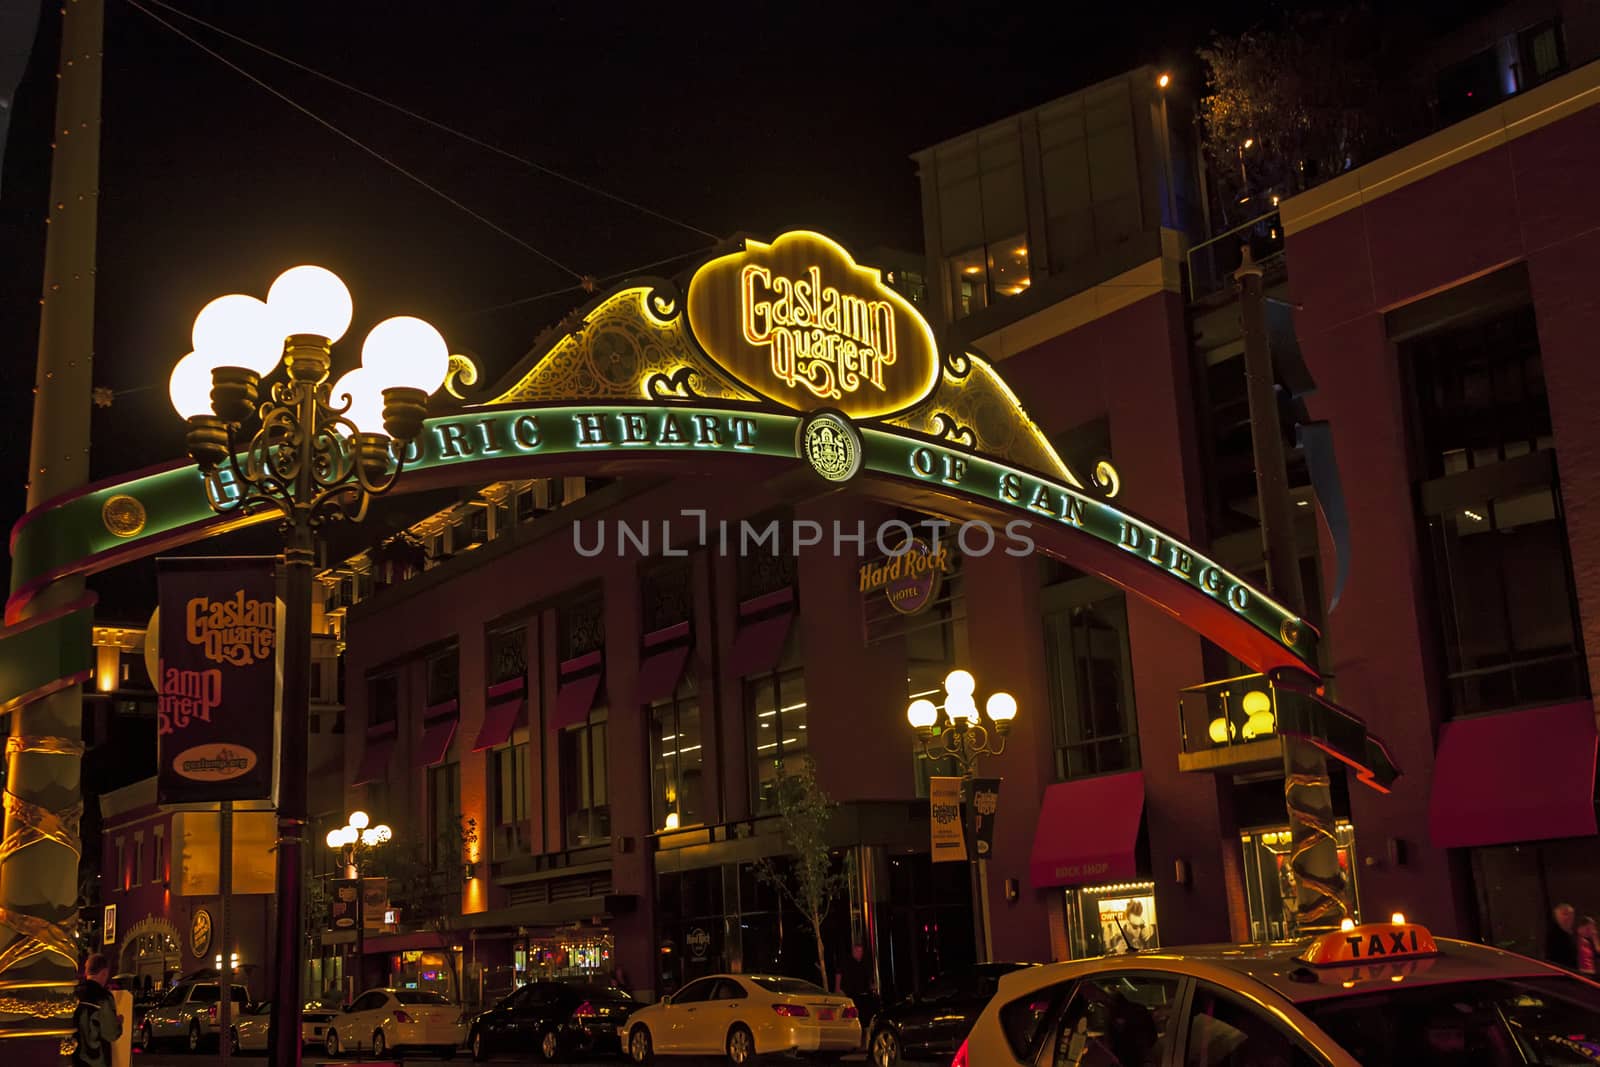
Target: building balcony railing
{"points": [[1213, 261], [1229, 725]]}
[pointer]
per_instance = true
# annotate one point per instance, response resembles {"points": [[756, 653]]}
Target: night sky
{"points": [[753, 116]]}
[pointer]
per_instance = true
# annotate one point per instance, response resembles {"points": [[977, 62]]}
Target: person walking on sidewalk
{"points": [[95, 1022]]}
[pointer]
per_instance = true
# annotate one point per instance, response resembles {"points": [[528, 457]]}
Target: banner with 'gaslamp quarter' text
{"points": [[217, 684]]}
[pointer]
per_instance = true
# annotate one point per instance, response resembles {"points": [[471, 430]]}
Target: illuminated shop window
{"points": [[1270, 882], [1108, 920]]}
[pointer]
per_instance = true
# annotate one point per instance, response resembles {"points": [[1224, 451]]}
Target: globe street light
{"points": [[316, 453], [354, 841], [965, 738]]}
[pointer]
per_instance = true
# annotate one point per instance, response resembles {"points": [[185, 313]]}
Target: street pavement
{"points": [[314, 1058]]}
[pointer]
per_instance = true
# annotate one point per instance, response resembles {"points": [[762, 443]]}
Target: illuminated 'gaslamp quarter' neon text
{"points": [[818, 336]]}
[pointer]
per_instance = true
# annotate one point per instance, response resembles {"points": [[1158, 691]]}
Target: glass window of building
{"points": [[445, 845], [585, 781], [508, 654], [1091, 679], [1088, 155], [775, 723], [138, 859], [1495, 532], [509, 774], [444, 676], [676, 758], [383, 699], [983, 218]]}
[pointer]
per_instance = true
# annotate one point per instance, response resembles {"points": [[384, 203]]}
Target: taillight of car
{"points": [[211, 1012], [791, 1011], [585, 1010], [961, 1056], [401, 1017], [849, 1013]]}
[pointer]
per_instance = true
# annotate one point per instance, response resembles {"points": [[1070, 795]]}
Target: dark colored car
{"points": [[933, 1025], [553, 1019]]}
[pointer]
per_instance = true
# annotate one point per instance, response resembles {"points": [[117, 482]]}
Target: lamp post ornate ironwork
{"points": [[965, 738], [353, 842], [319, 453]]}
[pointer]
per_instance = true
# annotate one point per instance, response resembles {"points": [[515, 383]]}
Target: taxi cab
{"points": [[1375, 995]]}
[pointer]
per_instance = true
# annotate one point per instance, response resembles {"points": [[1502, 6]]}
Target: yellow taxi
{"points": [[1376, 995]]}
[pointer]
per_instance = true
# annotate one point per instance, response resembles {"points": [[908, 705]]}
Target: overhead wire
{"points": [[574, 288], [351, 138], [435, 124]]}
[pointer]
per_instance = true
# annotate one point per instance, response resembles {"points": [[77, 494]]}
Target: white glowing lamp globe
{"points": [[359, 820], [310, 300], [1002, 707], [1220, 730], [335, 838], [381, 833], [190, 386], [369, 837], [363, 391], [238, 331], [959, 683], [922, 714], [406, 351], [961, 707]]}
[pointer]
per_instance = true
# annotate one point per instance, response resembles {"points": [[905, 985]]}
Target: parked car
{"points": [[381, 1021], [188, 1013], [745, 1017], [555, 1020], [315, 1018], [933, 1024], [250, 1029]]}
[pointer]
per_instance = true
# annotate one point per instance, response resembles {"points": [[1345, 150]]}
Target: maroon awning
{"points": [[659, 673], [1514, 776], [759, 645], [576, 695], [435, 740], [1088, 831], [507, 709], [375, 758]]}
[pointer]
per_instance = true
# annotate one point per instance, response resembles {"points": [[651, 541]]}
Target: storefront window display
{"points": [[578, 952], [1270, 884], [1110, 920]]}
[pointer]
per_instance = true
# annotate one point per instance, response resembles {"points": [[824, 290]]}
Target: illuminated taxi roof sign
{"points": [[1370, 943]]}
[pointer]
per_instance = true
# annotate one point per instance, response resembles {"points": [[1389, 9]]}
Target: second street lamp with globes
{"points": [[964, 738], [353, 842], [317, 453]]}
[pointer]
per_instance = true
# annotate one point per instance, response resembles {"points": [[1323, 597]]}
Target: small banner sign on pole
{"points": [[374, 902], [217, 679], [108, 926], [944, 807], [983, 801], [343, 916]]}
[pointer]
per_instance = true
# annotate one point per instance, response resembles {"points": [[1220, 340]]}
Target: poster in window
{"points": [[1128, 924]]}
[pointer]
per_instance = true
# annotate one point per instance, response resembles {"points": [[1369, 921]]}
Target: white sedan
{"points": [[252, 1023], [745, 1016], [381, 1021]]}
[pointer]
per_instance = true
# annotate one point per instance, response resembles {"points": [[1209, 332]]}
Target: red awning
{"points": [[574, 699], [500, 720], [1088, 831], [759, 645], [659, 673], [435, 740], [1515, 776], [375, 759]]}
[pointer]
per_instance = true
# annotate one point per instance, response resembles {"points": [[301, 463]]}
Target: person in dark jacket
{"points": [[1561, 941], [96, 1022]]}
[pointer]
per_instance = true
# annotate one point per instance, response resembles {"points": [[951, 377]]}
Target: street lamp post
{"points": [[964, 738], [353, 842], [318, 453]]}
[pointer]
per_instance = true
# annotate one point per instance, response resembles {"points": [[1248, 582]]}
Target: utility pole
{"points": [[1314, 855], [39, 860]]}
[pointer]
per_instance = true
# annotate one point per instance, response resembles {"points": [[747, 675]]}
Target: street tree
{"points": [[808, 881]]}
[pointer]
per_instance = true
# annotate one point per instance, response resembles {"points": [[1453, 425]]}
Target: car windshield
{"points": [[1511, 1021], [790, 987], [408, 996]]}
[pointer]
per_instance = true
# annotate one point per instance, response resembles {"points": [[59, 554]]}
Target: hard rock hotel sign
{"points": [[772, 355]]}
